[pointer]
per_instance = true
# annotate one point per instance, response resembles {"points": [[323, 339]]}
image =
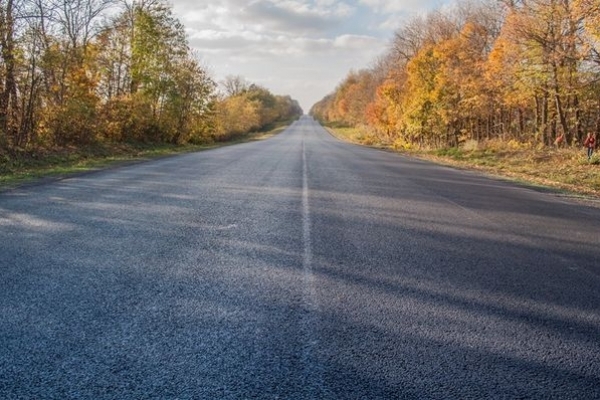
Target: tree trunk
{"points": [[8, 94]]}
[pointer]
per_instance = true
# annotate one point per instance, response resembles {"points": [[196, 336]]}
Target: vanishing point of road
{"points": [[299, 267]]}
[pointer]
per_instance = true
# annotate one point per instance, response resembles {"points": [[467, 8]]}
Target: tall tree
{"points": [[8, 85], [235, 85]]}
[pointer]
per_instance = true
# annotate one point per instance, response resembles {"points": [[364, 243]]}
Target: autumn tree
{"points": [[588, 11], [152, 86], [549, 32], [517, 70], [252, 109], [8, 71], [235, 85], [84, 72]]}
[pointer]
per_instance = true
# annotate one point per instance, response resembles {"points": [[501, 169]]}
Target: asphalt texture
{"points": [[299, 267]]}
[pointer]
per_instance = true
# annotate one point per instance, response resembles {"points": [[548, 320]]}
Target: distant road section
{"points": [[299, 267]]}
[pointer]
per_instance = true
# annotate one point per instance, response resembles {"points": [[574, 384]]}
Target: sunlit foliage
{"points": [[80, 72], [512, 70]]}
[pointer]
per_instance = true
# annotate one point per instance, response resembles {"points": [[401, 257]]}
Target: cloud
{"points": [[356, 42], [399, 6], [299, 17], [254, 44], [295, 16], [298, 47]]}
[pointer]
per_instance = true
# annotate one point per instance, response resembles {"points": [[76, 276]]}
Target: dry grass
{"points": [[21, 167], [565, 169]]}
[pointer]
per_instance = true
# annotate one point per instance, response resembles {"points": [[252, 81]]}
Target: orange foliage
{"points": [[524, 71]]}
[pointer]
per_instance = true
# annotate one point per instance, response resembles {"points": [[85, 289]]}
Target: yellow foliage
{"points": [[402, 144], [497, 144], [516, 145], [516, 73], [470, 145], [237, 115]]}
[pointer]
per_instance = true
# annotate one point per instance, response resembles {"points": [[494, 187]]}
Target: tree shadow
{"points": [[191, 290]]}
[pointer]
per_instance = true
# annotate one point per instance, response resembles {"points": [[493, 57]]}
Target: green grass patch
{"points": [[454, 153]]}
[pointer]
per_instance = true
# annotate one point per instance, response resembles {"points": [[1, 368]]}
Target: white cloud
{"points": [[399, 6], [356, 42], [298, 47]]}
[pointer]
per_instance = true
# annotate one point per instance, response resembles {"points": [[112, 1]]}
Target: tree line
{"points": [[79, 72], [526, 71]]}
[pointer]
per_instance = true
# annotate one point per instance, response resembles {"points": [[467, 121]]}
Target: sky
{"points": [[301, 48]]}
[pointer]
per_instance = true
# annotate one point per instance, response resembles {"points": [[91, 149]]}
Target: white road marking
{"points": [[312, 370]]}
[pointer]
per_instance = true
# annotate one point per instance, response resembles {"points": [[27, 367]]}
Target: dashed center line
{"points": [[312, 372]]}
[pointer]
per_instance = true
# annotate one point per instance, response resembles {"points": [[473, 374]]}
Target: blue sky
{"points": [[303, 48]]}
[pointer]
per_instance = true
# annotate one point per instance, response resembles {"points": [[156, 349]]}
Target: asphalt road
{"points": [[297, 268]]}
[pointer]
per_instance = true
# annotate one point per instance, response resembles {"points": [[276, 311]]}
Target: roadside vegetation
{"points": [[26, 166], [566, 169], [498, 84], [84, 82]]}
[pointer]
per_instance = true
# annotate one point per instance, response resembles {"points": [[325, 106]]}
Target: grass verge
{"points": [[23, 167], [567, 169]]}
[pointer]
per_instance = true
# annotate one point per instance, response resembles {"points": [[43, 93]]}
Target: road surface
{"points": [[299, 267]]}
